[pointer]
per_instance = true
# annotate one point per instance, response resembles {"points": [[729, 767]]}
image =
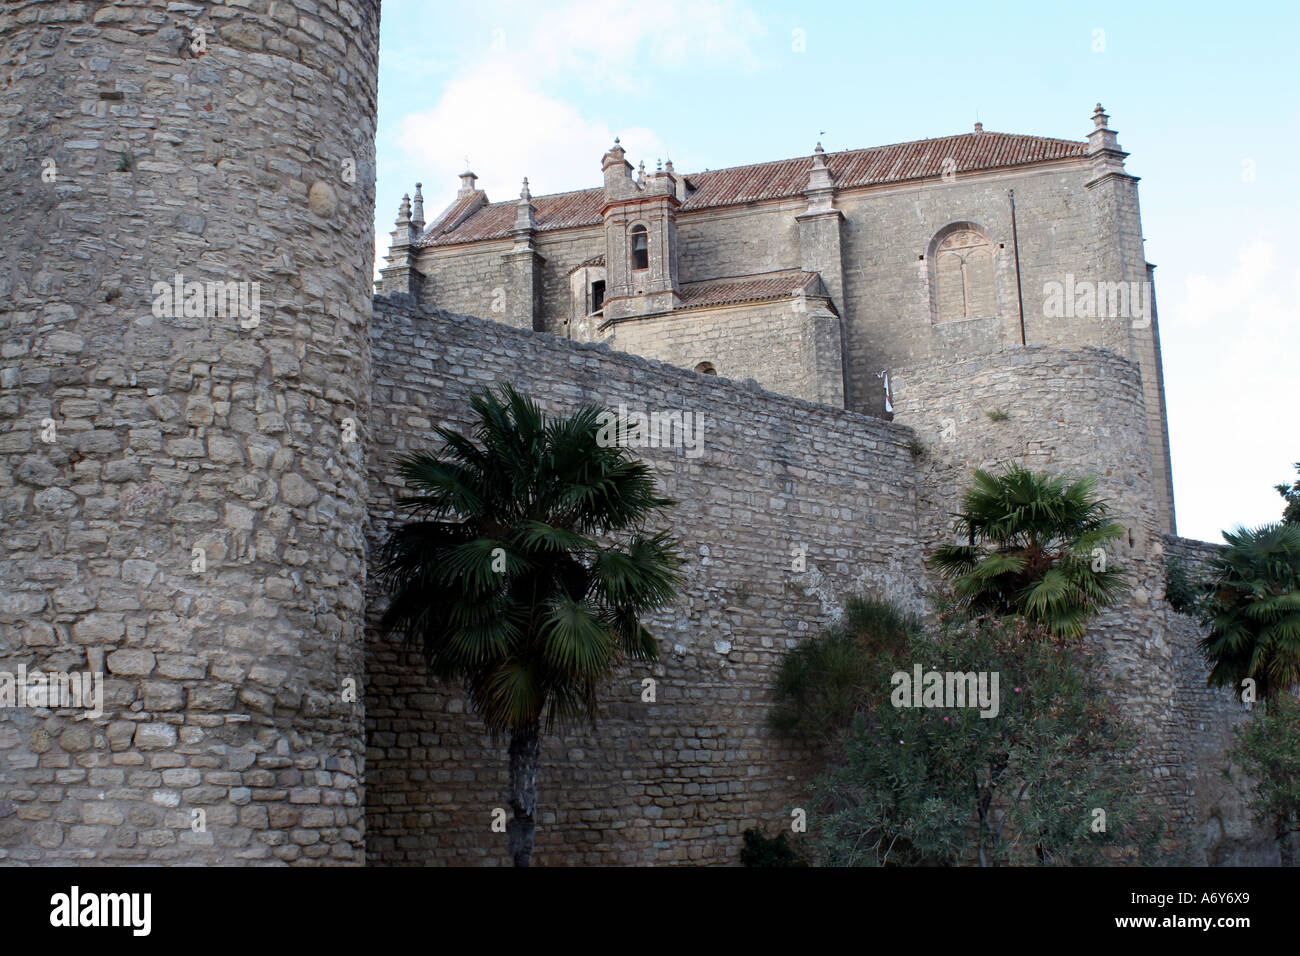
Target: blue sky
{"points": [[1205, 98]]}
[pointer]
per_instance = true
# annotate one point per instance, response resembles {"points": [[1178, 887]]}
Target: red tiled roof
{"points": [[766, 285], [494, 221], [455, 214], [783, 178]]}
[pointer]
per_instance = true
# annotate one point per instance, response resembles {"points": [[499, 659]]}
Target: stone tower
{"points": [[185, 308], [640, 238]]}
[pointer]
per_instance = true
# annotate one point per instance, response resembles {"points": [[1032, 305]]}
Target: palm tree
{"points": [[1036, 549], [510, 577], [1253, 610]]}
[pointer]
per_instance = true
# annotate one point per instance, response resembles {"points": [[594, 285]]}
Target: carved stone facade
{"points": [[914, 246]]}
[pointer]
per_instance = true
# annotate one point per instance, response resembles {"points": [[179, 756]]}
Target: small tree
{"points": [[1266, 749], [1036, 548], [1291, 495], [502, 579], [1048, 780], [1253, 610]]}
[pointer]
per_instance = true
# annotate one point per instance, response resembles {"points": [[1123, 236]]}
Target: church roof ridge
{"points": [[782, 178]]}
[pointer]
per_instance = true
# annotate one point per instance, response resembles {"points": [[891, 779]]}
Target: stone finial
{"points": [[659, 166], [640, 171], [467, 180], [417, 216], [614, 155], [525, 214], [668, 167], [979, 127], [821, 187], [404, 211], [618, 172], [1103, 145]]}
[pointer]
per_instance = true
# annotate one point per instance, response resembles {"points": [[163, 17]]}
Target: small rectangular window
{"points": [[597, 295]]}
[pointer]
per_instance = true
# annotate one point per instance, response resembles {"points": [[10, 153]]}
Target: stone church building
{"points": [[817, 275]]}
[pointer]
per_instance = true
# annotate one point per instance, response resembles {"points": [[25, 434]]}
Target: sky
{"points": [[1203, 96]]}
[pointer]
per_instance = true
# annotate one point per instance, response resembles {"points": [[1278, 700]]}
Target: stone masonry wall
{"points": [[738, 241], [228, 142], [469, 280], [788, 346], [680, 779], [1224, 832], [1075, 412]]}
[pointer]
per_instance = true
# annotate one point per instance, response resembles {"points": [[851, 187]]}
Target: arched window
{"points": [[961, 274], [706, 368], [640, 248]]}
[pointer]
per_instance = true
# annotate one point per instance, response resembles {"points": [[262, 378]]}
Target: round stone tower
{"points": [[1070, 412], [187, 195]]}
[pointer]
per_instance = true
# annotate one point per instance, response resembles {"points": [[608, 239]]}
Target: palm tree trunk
{"points": [[525, 747]]}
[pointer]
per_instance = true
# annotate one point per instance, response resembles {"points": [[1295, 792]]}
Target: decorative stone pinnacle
{"points": [[467, 179], [1099, 117], [525, 221], [979, 127], [404, 210], [821, 188], [417, 217]]}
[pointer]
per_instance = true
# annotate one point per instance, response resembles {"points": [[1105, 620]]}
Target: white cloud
{"points": [[612, 49], [1232, 367], [1209, 298], [510, 129], [501, 110]]}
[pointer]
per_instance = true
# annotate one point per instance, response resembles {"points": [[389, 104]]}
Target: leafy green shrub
{"points": [[828, 678], [760, 851], [1266, 749], [1183, 595], [935, 786]]}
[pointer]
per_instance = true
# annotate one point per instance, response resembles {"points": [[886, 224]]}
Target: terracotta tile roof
{"points": [[455, 214], [766, 285], [775, 180], [494, 221]]}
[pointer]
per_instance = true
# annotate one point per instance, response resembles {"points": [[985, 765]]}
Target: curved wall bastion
{"points": [[182, 510]]}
